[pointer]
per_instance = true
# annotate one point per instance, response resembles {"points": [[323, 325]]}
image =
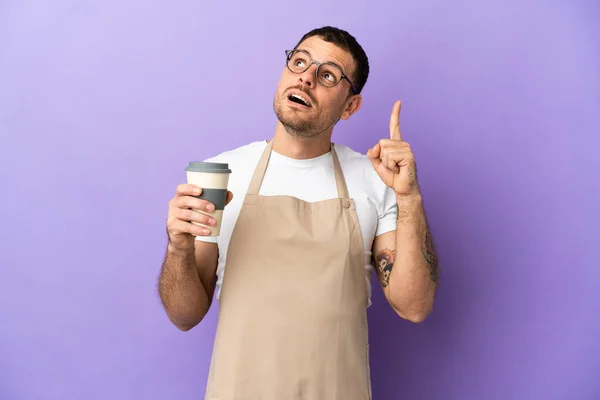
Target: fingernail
{"points": [[196, 190], [210, 207], [206, 231], [212, 221]]}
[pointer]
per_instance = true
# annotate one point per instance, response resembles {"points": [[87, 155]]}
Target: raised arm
{"points": [[406, 260]]}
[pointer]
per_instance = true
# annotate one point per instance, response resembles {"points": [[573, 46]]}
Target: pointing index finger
{"points": [[395, 122]]}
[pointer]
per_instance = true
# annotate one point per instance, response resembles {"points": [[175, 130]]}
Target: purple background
{"points": [[102, 103]]}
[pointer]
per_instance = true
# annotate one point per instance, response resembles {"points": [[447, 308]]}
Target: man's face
{"points": [[326, 105]]}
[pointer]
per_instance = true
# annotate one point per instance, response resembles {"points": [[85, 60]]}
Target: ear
{"points": [[352, 105]]}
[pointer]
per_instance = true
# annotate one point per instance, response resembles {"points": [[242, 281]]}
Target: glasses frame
{"points": [[288, 56]]}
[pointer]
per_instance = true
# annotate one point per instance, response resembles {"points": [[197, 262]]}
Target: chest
{"points": [[312, 185]]}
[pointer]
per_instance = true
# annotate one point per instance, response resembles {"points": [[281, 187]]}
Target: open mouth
{"points": [[296, 98]]}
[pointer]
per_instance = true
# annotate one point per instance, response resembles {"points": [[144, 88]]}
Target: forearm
{"points": [[414, 278], [181, 291]]}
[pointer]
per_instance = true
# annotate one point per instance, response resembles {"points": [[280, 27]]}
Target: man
{"points": [[309, 218]]}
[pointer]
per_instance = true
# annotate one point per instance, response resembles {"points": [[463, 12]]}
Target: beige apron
{"points": [[292, 320]]}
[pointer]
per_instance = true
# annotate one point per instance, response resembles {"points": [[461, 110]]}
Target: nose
{"points": [[309, 77]]}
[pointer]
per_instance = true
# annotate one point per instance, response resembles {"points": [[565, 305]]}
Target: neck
{"points": [[298, 147]]}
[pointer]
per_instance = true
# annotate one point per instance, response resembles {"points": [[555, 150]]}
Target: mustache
{"points": [[303, 90]]}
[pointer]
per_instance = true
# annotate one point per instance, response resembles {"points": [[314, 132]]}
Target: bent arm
{"points": [[406, 262], [187, 283]]}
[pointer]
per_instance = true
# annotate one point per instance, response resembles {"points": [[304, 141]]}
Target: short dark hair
{"points": [[345, 41]]}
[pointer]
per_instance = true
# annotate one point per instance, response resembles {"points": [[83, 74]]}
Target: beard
{"points": [[300, 125]]}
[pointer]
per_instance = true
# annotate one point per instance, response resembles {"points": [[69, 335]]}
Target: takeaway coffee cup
{"points": [[213, 179]]}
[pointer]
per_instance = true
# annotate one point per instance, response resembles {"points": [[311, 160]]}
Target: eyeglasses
{"points": [[328, 74]]}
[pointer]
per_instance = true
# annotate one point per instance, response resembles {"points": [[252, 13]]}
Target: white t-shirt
{"points": [[309, 180]]}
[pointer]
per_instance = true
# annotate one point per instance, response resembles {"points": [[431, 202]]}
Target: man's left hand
{"points": [[393, 159]]}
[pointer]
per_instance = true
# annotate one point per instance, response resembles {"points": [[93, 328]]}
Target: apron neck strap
{"points": [[261, 168], [339, 176]]}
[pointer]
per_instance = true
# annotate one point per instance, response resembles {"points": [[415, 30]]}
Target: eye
{"points": [[329, 77]]}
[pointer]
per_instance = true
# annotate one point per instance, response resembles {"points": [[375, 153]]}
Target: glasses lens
{"points": [[298, 61], [329, 75]]}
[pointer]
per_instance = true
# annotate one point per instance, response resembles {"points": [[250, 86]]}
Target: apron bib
{"points": [[293, 304]]}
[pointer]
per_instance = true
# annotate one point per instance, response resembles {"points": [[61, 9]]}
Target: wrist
{"points": [[180, 250], [409, 199]]}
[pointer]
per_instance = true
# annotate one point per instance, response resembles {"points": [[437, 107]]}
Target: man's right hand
{"points": [[181, 211]]}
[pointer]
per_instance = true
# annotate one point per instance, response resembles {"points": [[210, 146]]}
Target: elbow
{"points": [[184, 317], [184, 327], [417, 318], [414, 314], [185, 323]]}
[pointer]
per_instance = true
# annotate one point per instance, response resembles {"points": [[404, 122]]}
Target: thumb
{"points": [[229, 197], [374, 154]]}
